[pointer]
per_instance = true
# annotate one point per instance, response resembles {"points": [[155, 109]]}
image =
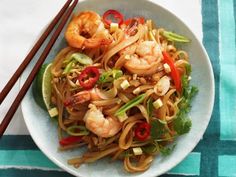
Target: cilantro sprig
{"points": [[154, 148], [157, 129], [182, 123], [188, 93], [167, 150]]}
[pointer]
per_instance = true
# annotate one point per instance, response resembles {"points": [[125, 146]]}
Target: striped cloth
{"points": [[215, 155]]}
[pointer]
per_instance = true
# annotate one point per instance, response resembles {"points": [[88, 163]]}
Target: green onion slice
{"points": [[110, 76], [130, 104], [79, 57], [150, 107], [68, 67], [77, 130], [174, 37]]}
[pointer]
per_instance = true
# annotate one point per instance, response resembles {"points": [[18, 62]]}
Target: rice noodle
{"points": [[109, 133]]}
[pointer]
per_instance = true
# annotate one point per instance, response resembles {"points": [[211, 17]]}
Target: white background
{"points": [[22, 21]]}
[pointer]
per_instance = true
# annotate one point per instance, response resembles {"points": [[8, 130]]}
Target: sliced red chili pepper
{"points": [[115, 14], [70, 140], [142, 131], [89, 77], [141, 20], [174, 71]]}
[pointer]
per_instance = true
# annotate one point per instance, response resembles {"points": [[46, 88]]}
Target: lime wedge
{"points": [[42, 87]]}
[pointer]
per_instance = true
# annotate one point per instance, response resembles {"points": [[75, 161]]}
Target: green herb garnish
{"points": [[152, 148], [188, 93], [188, 69], [166, 150], [182, 123], [157, 129]]}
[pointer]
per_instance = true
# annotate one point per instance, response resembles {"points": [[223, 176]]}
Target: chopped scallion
{"points": [[77, 130], [174, 37], [130, 104]]}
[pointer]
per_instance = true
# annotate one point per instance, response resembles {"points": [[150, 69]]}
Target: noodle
{"points": [[142, 166], [126, 136], [112, 90]]}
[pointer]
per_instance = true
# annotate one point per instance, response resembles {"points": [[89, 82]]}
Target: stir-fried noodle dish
{"points": [[121, 89]]}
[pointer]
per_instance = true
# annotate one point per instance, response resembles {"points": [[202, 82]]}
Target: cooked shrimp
{"points": [[82, 97], [98, 124], [146, 59], [86, 95], [81, 31], [129, 50]]}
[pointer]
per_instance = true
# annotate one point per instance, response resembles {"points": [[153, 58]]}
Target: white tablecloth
{"points": [[22, 21]]}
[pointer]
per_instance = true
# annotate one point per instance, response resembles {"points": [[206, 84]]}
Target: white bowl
{"points": [[44, 131]]}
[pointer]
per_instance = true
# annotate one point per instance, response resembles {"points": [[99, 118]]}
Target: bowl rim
{"points": [[210, 106]]}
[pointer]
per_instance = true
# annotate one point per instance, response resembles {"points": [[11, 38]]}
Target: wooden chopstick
{"points": [[5, 122], [32, 52]]}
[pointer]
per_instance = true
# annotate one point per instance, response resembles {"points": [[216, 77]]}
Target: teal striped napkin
{"points": [[215, 155]]}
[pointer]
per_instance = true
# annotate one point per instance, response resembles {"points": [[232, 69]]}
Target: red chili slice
{"points": [[142, 131], [141, 20], [174, 71], [115, 14], [89, 77], [70, 140]]}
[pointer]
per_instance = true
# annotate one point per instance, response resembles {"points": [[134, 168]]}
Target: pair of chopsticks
{"points": [[64, 15]]}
